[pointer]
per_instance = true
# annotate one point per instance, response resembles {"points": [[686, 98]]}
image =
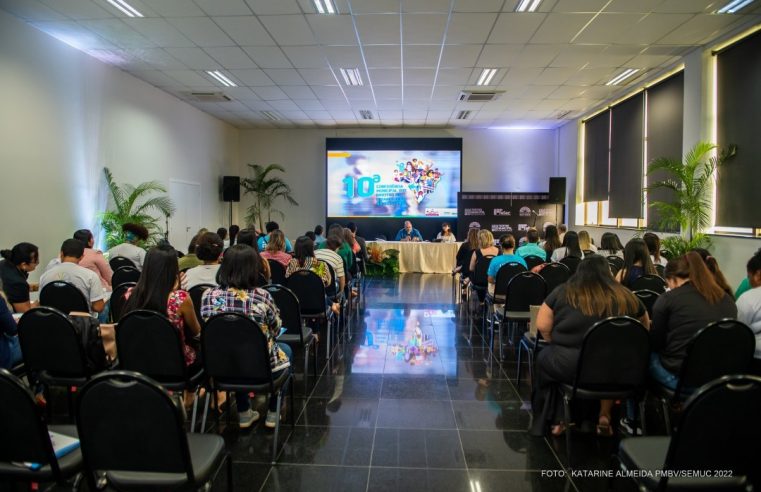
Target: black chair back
{"points": [[119, 261], [719, 429], [660, 270], [555, 274], [525, 289], [196, 294], [616, 264], [125, 274], [722, 348], [290, 312], [649, 282], [614, 355], [118, 300], [147, 343], [648, 298], [533, 261], [479, 278], [64, 297], [309, 290], [571, 262], [22, 427], [129, 423], [50, 345], [332, 289], [277, 272], [235, 352], [504, 275]]}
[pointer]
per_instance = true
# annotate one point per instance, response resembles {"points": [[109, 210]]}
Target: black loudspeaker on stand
{"points": [[231, 192], [557, 190]]}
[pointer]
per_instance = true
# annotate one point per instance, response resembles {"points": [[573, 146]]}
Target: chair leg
{"points": [[518, 368], [666, 415], [229, 473], [195, 409], [642, 416], [314, 359], [293, 405], [277, 427], [567, 416], [206, 410]]}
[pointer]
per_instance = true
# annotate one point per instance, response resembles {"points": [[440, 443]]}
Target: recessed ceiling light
{"points": [[527, 5], [622, 76], [325, 7], [128, 9], [486, 75], [271, 115], [463, 115], [733, 6], [221, 78], [366, 114], [351, 76]]}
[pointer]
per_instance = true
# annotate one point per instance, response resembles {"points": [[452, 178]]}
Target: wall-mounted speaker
{"points": [[557, 190], [230, 188]]}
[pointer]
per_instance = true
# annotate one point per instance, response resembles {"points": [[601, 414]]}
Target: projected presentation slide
{"points": [[393, 183]]}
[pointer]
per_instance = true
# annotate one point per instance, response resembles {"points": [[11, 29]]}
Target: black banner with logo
{"points": [[506, 212]]}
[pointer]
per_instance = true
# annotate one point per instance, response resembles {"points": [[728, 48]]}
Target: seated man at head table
{"points": [[408, 233]]}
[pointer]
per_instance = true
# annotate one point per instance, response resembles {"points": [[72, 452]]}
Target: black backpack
{"points": [[88, 330]]}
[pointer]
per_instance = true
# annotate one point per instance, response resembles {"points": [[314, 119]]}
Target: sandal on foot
{"points": [[558, 430], [604, 429]]}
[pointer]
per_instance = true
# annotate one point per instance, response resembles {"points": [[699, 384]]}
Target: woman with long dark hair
{"points": [[713, 267], [14, 271], [238, 292], [589, 296], [570, 248], [249, 237], [465, 252], [610, 245], [636, 262], [304, 259], [551, 240], [654, 246]]}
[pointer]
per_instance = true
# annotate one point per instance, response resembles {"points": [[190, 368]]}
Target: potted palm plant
{"points": [[136, 205], [265, 188], [690, 180]]}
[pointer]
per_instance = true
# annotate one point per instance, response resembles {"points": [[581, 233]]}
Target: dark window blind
{"points": [[739, 120], [596, 157], [665, 113], [626, 150]]}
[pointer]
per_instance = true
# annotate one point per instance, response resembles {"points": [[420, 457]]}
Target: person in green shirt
{"points": [[190, 260], [344, 251], [532, 248]]}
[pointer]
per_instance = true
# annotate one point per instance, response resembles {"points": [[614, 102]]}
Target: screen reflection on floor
{"points": [[407, 341]]}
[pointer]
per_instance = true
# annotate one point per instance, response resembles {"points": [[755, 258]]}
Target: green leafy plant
{"points": [[136, 205], [266, 188], [690, 180], [382, 263]]}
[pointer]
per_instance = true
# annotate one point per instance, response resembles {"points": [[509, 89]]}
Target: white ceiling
{"points": [[415, 56]]}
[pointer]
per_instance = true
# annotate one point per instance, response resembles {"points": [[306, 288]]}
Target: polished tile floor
{"points": [[407, 402]]}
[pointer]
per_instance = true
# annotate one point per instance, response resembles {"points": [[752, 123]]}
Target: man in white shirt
{"points": [[749, 306], [208, 249], [329, 256], [133, 233], [82, 278]]}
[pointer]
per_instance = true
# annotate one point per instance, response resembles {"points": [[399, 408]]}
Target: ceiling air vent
{"points": [[208, 97], [563, 113], [271, 115], [463, 115], [479, 96], [366, 114]]}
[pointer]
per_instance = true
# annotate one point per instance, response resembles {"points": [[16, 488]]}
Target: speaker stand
{"points": [[231, 215]]}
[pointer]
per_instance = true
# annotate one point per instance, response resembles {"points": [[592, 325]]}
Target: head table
{"points": [[423, 257]]}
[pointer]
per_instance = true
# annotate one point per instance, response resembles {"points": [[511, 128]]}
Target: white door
{"points": [[187, 217]]}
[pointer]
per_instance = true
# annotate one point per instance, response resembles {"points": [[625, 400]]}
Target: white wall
{"points": [[64, 116], [493, 160]]}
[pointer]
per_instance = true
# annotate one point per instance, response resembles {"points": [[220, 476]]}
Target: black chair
{"points": [[612, 365], [533, 261], [571, 262], [649, 282], [64, 297], [523, 291], [660, 270], [125, 274], [616, 264], [119, 261], [148, 343], [310, 291], [555, 274], [479, 282], [297, 333], [648, 298], [722, 348], [25, 438], [236, 358], [505, 273], [718, 431], [196, 294], [531, 344], [132, 436], [277, 272], [118, 300]]}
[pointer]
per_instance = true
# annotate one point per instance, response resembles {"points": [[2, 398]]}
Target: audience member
{"points": [[262, 241], [329, 255], [636, 262], [532, 248], [14, 272], [304, 259], [311, 235], [190, 260], [69, 270], [713, 267], [507, 243], [359, 239], [446, 235], [570, 248], [485, 248], [318, 237], [693, 301], [92, 259], [248, 237], [465, 252], [222, 233], [610, 245], [238, 293], [585, 242], [749, 306], [133, 234], [344, 250], [562, 229], [275, 249], [234, 230], [10, 350], [408, 233], [551, 240], [348, 238], [589, 296], [653, 243], [209, 251]]}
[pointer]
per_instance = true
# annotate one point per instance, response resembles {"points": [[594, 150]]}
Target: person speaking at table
{"points": [[408, 233]]}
